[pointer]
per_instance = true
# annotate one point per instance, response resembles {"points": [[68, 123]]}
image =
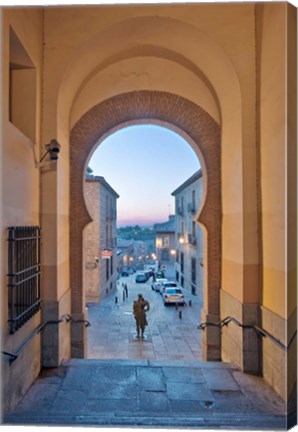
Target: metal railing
{"points": [[260, 332], [39, 329]]}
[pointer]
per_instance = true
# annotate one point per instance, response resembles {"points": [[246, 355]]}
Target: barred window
{"points": [[24, 270]]}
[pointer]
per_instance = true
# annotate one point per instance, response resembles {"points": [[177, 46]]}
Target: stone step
{"points": [[150, 363], [214, 420]]}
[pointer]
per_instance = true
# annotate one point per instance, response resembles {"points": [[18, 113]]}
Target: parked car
{"points": [[167, 284], [141, 277], [157, 285], [125, 273], [173, 296], [148, 273], [159, 275]]}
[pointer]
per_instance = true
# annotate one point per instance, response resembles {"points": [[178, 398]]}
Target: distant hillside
{"points": [[136, 233]]}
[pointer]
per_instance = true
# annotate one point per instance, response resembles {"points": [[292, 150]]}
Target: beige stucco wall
{"points": [[278, 185], [273, 158], [20, 182]]}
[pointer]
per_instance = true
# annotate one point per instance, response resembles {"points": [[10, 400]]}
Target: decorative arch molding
{"points": [[188, 120]]}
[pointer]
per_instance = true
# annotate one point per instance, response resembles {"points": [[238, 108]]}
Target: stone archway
{"points": [[198, 128]]}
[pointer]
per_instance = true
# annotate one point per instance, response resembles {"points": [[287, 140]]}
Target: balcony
{"points": [[180, 211], [191, 208], [192, 240]]}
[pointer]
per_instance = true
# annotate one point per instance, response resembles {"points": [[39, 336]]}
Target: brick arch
{"points": [[188, 120]]}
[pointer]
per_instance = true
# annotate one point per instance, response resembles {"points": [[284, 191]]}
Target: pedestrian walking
{"points": [[140, 307], [126, 290]]}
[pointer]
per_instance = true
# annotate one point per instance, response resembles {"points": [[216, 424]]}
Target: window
{"points": [[22, 88], [193, 271], [112, 270], [193, 199], [182, 228], [107, 269], [107, 207], [107, 236], [182, 262], [166, 242], [24, 298], [193, 229]]}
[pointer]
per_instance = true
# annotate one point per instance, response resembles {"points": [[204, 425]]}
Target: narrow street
{"points": [[167, 336]]}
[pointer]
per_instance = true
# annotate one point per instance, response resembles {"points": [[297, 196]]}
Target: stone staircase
{"points": [[149, 393]]}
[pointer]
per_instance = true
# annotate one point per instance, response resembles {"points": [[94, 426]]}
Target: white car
{"points": [[173, 296], [167, 284], [157, 285]]}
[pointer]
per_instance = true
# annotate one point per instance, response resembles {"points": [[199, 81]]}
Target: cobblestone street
{"points": [[168, 337]]}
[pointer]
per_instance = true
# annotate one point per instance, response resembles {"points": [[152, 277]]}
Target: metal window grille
{"points": [[24, 270]]}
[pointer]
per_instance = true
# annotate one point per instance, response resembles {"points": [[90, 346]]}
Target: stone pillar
{"points": [[211, 339], [241, 346], [55, 289], [79, 335], [50, 306]]}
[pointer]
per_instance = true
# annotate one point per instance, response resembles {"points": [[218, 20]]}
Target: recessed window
{"points": [[22, 88], [24, 270]]}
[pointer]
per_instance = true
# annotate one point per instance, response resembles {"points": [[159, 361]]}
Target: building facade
{"points": [[189, 236], [78, 74], [99, 239], [126, 254], [165, 241]]}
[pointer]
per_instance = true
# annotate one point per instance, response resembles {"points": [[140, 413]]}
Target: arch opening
{"points": [[144, 164], [201, 132]]}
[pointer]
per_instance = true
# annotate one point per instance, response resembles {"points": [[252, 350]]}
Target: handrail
{"points": [[39, 329], [260, 331]]}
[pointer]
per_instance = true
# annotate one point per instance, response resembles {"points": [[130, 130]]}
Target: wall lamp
{"points": [[53, 148]]}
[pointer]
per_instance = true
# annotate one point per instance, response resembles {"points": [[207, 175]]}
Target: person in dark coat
{"points": [[140, 307]]}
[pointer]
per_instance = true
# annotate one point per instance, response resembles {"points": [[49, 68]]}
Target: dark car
{"points": [[141, 278]]}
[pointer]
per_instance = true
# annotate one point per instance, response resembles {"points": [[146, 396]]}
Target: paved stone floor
{"points": [[159, 382], [112, 330], [149, 393]]}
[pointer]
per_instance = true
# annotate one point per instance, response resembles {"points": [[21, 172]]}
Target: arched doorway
{"points": [[203, 134]]}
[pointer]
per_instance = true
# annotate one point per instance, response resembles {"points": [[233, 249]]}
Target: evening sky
{"points": [[144, 164]]}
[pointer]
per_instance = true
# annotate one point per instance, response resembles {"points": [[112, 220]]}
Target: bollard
{"points": [[116, 300], [180, 314], [190, 303], [176, 306]]}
